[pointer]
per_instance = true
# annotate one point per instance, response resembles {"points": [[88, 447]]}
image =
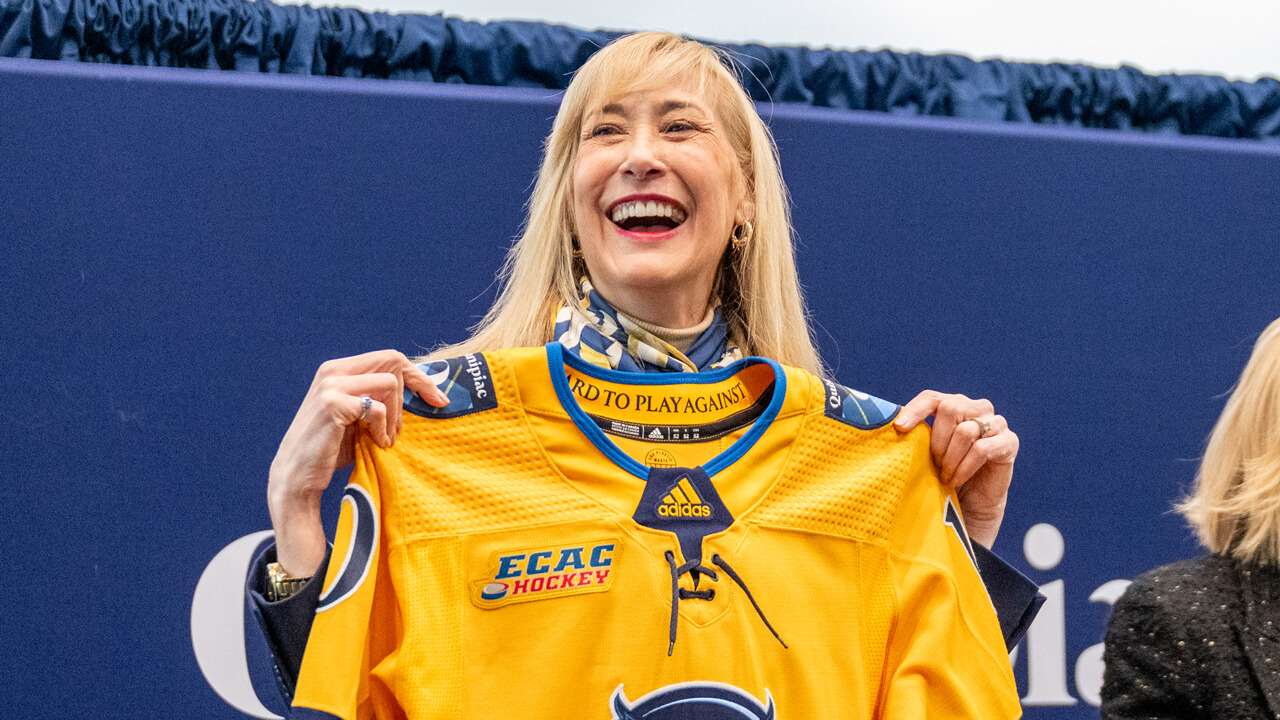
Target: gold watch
{"points": [[280, 584]]}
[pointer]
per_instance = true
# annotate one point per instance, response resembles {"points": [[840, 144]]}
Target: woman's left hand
{"points": [[975, 449]]}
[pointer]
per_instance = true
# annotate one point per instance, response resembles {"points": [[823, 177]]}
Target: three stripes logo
{"points": [[682, 501]]}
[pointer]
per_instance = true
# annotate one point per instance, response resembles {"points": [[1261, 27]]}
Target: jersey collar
{"points": [[557, 359]]}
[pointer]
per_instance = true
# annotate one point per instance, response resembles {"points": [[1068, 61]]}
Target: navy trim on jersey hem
{"points": [[557, 358]]}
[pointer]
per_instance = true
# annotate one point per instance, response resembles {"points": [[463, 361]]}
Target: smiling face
{"points": [[657, 190]]}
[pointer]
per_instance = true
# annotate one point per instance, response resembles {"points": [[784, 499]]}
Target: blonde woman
{"points": [[1200, 638], [658, 249]]}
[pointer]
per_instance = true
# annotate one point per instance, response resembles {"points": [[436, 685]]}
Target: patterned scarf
{"points": [[602, 336]]}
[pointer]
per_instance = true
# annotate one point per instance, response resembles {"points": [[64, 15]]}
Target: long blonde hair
{"points": [[1235, 505], [758, 286]]}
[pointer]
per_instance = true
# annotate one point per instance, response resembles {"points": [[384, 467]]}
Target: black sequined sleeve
{"points": [[1160, 646]]}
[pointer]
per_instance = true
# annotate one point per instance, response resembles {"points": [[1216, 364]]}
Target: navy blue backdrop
{"points": [[181, 248]]}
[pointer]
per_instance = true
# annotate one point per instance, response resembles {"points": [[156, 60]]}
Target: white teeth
{"points": [[651, 208]]}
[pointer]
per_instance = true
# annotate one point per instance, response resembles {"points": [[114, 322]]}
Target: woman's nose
{"points": [[643, 157]]}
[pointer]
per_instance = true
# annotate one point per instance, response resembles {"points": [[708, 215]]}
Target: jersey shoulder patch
{"points": [[858, 409], [465, 380]]}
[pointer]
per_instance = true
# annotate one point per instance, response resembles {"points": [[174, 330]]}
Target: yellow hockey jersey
{"points": [[565, 541]]}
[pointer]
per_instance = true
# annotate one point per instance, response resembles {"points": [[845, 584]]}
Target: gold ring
{"points": [[984, 427]]}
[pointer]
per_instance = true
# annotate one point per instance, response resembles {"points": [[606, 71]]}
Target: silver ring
{"points": [[984, 427], [366, 402]]}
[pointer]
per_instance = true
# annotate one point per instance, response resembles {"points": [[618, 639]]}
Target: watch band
{"points": [[281, 585]]}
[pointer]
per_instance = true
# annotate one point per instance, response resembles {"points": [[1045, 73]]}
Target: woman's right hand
{"points": [[321, 439]]}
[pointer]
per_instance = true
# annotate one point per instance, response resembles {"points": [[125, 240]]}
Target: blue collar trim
{"points": [[557, 358]]}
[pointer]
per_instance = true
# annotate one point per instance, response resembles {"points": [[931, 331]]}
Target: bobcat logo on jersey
{"points": [[693, 701], [681, 500], [546, 572]]}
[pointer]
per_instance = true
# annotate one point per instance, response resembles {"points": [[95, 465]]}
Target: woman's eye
{"points": [[680, 126], [599, 130]]}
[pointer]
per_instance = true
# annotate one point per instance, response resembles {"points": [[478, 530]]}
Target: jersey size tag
{"points": [[858, 409], [464, 380], [545, 572]]}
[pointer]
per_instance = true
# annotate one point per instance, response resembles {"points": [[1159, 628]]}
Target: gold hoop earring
{"points": [[742, 235]]}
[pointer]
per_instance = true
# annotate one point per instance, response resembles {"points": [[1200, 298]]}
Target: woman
{"points": [[1199, 638], [658, 240]]}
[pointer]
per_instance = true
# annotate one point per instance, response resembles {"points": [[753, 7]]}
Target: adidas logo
{"points": [[683, 501], [656, 434]]}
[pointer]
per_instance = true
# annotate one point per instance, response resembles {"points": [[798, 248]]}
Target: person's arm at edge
{"points": [[285, 624], [364, 390]]}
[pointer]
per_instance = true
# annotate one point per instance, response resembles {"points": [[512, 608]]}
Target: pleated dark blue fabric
{"points": [[259, 36]]}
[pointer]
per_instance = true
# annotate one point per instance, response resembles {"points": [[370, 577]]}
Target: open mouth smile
{"points": [[647, 215]]}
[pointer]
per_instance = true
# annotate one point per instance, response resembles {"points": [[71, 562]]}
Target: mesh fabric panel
{"points": [[484, 472], [839, 480]]}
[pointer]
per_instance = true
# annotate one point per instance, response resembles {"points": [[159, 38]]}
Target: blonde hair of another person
{"points": [[757, 286], [1235, 505]]}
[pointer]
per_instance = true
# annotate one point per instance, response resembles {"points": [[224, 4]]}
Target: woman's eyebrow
{"points": [[674, 105]]}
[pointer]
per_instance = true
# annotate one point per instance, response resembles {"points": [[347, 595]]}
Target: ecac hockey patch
{"points": [[546, 572]]}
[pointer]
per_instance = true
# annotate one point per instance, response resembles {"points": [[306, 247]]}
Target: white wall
{"points": [[1236, 38]]}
